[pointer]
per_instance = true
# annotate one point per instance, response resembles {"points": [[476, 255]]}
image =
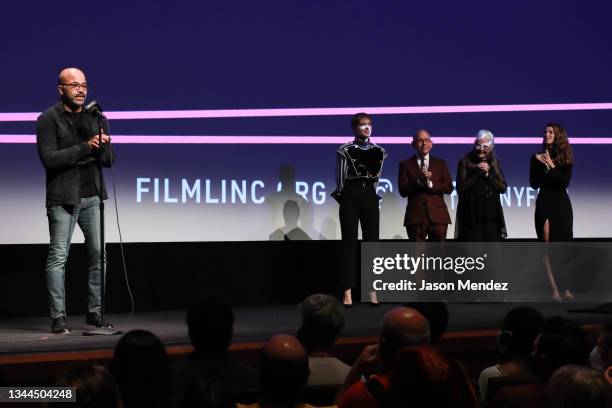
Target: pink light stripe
{"points": [[9, 139], [391, 110], [335, 140]]}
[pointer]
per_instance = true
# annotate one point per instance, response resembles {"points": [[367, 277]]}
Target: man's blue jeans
{"points": [[61, 226]]}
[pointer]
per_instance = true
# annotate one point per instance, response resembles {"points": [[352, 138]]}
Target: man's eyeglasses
{"points": [[422, 141], [482, 147], [75, 85]]}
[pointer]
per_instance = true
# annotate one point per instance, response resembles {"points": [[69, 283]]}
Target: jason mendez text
{"points": [[460, 285]]}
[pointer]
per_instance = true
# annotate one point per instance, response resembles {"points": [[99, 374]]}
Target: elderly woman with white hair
{"points": [[480, 181]]}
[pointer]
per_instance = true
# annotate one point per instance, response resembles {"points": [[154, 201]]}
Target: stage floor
{"points": [[21, 336]]}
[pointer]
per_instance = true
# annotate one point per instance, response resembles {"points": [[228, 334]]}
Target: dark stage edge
{"points": [[31, 335]]}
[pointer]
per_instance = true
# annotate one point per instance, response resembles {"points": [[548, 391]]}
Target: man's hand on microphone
{"points": [[424, 175], [94, 141]]}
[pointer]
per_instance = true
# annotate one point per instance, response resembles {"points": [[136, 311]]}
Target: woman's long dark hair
{"points": [[142, 370], [562, 153]]}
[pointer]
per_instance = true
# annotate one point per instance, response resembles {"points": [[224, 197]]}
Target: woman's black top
{"points": [[479, 201]]}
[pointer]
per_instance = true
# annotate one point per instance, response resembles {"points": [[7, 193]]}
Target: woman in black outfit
{"points": [[480, 181], [358, 167], [551, 171]]}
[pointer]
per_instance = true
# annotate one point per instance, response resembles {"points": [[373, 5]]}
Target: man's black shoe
{"points": [[95, 319], [60, 326]]}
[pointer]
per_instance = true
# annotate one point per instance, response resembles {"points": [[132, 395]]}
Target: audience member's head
{"points": [[608, 375], [436, 314], [206, 394], [95, 387], [577, 387], [601, 356], [283, 370], [322, 322], [211, 325], [561, 342], [519, 329], [401, 327], [141, 368], [423, 377]]}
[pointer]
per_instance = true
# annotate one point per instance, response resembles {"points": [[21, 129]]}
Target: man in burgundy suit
{"points": [[425, 179]]}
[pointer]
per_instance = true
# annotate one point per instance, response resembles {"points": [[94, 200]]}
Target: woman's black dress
{"points": [[553, 203], [480, 217]]}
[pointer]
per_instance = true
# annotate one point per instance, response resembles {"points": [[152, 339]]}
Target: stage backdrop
{"points": [[226, 116]]}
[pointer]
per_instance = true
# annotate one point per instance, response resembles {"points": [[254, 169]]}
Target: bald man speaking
{"points": [[425, 179], [70, 148]]}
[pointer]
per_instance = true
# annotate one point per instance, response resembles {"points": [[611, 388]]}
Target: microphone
{"points": [[94, 108], [485, 159]]}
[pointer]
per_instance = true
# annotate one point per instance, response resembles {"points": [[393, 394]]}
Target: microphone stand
{"points": [[101, 331]]}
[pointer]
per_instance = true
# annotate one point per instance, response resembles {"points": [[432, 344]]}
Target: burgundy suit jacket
{"points": [[425, 204]]}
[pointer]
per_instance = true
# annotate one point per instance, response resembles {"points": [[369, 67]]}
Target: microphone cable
{"points": [[125, 272]]}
